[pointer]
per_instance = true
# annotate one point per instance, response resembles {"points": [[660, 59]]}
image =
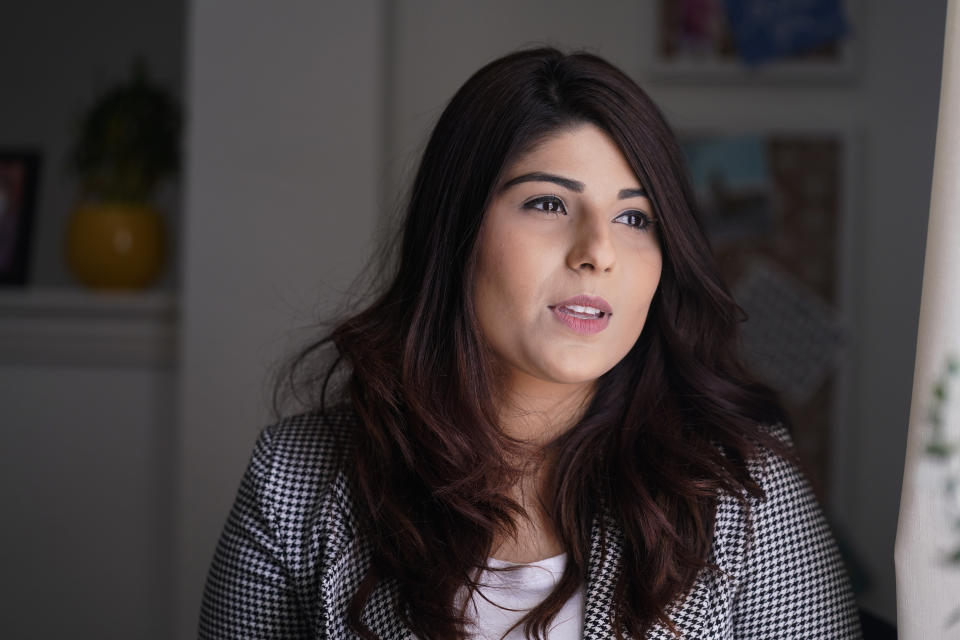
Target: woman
{"points": [[541, 427]]}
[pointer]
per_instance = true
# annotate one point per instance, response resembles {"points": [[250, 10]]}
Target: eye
{"points": [[547, 204], [636, 219]]}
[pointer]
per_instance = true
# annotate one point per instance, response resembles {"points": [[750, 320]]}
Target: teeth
{"points": [[579, 309], [582, 312]]}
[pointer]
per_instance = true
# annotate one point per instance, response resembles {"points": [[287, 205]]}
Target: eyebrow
{"points": [[567, 183]]}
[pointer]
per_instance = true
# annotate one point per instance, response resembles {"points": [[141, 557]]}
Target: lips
{"points": [[583, 314]]}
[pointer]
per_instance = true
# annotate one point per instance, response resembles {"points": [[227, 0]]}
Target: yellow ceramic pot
{"points": [[116, 245]]}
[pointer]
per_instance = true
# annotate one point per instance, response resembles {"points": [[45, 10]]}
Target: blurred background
{"points": [[150, 283]]}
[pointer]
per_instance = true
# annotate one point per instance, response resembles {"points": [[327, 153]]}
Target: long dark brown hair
{"points": [[669, 428]]}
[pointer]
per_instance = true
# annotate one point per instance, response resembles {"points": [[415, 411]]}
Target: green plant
{"points": [[129, 140]]}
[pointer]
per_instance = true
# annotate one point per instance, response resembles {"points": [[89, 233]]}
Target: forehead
{"points": [[583, 152]]}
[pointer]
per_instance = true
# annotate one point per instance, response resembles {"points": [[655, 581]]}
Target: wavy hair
{"points": [[669, 428]]}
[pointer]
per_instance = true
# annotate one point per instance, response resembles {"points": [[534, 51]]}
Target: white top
{"points": [[506, 596]]}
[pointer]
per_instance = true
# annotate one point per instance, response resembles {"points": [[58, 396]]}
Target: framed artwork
{"points": [[777, 208], [19, 173], [754, 39]]}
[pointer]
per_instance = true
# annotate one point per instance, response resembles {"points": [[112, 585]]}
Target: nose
{"points": [[592, 246]]}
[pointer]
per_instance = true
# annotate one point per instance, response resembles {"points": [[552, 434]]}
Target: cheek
{"points": [[510, 272], [494, 292], [643, 287]]}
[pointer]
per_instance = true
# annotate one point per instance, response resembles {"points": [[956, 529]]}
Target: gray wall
{"points": [[86, 465], [85, 474], [897, 107], [281, 200]]}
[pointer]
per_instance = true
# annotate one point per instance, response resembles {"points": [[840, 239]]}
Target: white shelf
{"points": [[76, 327]]}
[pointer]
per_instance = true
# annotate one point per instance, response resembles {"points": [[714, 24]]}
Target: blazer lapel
{"points": [[606, 549], [606, 555], [382, 615], [349, 558]]}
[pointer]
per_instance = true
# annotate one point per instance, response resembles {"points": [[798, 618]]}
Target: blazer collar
{"points": [[606, 547]]}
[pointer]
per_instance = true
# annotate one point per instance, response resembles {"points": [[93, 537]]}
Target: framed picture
{"points": [[19, 173], [730, 40], [777, 206]]}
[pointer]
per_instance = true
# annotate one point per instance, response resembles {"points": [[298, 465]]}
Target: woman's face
{"points": [[568, 261]]}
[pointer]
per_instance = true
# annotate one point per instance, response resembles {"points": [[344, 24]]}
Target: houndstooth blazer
{"points": [[290, 557]]}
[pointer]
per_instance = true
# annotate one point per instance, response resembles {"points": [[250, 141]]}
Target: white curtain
{"points": [[928, 583]]}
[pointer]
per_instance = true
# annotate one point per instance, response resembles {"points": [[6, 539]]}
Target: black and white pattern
{"points": [[290, 557]]}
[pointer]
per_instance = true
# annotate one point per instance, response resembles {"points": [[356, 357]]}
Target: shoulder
{"points": [[760, 524], [298, 457], [290, 517], [307, 447], [298, 471], [781, 545], [785, 486], [315, 519]]}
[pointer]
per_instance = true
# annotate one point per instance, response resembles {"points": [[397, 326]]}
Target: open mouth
{"points": [[581, 311], [583, 314]]}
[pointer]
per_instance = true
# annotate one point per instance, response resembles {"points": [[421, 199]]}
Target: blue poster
{"points": [[769, 29]]}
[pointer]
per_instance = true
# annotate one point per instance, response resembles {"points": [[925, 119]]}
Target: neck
{"points": [[536, 411]]}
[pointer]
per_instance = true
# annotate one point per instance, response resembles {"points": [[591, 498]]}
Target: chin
{"points": [[577, 372]]}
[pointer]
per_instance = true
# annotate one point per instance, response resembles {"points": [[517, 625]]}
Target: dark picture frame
{"points": [[19, 179]]}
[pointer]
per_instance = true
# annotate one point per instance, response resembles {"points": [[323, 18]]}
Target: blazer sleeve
{"points": [[793, 582], [249, 592]]}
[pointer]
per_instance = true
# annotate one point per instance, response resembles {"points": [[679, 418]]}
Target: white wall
{"points": [[281, 198]]}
